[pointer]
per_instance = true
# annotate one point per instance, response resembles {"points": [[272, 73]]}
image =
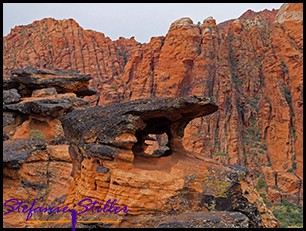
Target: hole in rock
{"points": [[115, 183], [154, 139]]}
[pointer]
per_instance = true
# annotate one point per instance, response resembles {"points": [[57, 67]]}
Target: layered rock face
{"points": [[63, 44], [174, 189], [251, 67], [36, 163]]}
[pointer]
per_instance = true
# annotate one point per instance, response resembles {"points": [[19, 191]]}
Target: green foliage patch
{"points": [[289, 215], [36, 134]]}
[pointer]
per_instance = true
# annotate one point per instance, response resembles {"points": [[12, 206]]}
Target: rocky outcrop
{"points": [[107, 146], [11, 96], [150, 116], [63, 44], [39, 100], [36, 163], [20, 150], [29, 79], [33, 170], [250, 66]]}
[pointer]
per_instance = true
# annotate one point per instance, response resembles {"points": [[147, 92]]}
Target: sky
{"points": [[139, 20]]}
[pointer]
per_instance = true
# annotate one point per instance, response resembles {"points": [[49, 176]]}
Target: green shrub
{"points": [[261, 183], [284, 67], [288, 214], [275, 187], [253, 102], [124, 55], [294, 132], [221, 154], [294, 165], [268, 203], [287, 93], [36, 134]]}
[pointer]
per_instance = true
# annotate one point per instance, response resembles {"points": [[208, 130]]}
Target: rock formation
{"points": [[257, 85], [251, 67], [63, 44], [176, 189], [36, 163]]}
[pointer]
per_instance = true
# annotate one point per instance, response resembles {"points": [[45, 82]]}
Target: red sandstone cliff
{"points": [[251, 67]]}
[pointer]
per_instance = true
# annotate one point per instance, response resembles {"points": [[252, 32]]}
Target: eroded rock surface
{"points": [[106, 148], [251, 66], [63, 81], [40, 98], [36, 163]]}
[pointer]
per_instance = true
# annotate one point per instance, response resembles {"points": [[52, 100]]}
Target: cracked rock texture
{"points": [[250, 66], [36, 163], [106, 148]]}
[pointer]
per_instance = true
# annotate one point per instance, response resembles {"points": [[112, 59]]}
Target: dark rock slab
{"points": [[158, 115], [62, 80], [8, 84], [20, 149], [8, 118], [206, 220], [102, 169], [51, 107], [11, 96]]}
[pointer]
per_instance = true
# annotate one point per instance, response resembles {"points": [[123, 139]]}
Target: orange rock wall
{"points": [[251, 67]]}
